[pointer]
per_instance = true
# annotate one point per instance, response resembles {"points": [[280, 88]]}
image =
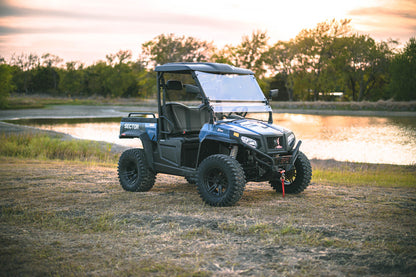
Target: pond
{"points": [[390, 140]]}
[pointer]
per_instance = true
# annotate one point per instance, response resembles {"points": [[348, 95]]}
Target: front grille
{"points": [[275, 143], [283, 160]]}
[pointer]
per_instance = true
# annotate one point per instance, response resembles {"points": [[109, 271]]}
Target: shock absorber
{"points": [[234, 151]]}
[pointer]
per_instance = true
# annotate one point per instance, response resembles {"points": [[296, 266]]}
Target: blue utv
{"points": [[214, 126]]}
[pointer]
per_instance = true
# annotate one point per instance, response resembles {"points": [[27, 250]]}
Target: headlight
{"points": [[249, 141], [290, 139]]}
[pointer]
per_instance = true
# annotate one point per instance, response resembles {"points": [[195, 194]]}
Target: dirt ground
{"points": [[71, 218]]}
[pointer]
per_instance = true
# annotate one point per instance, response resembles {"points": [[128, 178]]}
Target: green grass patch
{"points": [[40, 146], [18, 101], [380, 176], [36, 102]]}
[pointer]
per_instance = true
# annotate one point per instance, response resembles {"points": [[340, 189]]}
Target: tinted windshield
{"points": [[231, 87]]}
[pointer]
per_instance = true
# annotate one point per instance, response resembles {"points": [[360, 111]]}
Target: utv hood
{"points": [[269, 138]]}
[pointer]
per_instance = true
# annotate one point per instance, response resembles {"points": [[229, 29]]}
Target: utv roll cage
{"points": [[178, 118]]}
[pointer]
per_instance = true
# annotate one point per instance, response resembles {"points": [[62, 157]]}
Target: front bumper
{"points": [[277, 163]]}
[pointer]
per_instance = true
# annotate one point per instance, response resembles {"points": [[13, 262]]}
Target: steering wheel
{"points": [[236, 115], [243, 114]]}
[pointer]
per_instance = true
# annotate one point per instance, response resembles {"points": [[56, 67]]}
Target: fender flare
{"points": [[219, 139], [148, 149], [214, 139]]}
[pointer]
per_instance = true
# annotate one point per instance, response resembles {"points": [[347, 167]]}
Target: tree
{"points": [[170, 48], [72, 80], [316, 50], [403, 72], [250, 53], [366, 65], [50, 60], [120, 57], [46, 77], [95, 76], [6, 84], [45, 80], [114, 78], [224, 55], [120, 80], [23, 76], [280, 59]]}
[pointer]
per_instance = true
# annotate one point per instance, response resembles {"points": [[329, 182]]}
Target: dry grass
{"points": [[71, 218]]}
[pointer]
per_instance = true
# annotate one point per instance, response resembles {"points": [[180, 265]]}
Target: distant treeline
{"points": [[317, 64]]}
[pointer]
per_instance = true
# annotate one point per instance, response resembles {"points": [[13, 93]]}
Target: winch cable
{"points": [[282, 178]]}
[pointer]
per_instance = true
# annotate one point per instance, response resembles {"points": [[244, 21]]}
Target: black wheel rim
{"points": [[131, 173], [290, 177], [216, 182]]}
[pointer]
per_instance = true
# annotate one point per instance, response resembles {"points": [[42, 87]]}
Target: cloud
{"points": [[146, 19], [14, 11], [399, 9], [389, 18], [382, 12]]}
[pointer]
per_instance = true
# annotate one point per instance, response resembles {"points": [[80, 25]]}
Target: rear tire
{"points": [[297, 179], [133, 172], [221, 180]]}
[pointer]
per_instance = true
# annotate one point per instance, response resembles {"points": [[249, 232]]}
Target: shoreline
{"points": [[346, 112], [9, 128], [111, 111]]}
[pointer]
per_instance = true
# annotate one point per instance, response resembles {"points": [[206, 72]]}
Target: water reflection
{"points": [[343, 138], [100, 129], [350, 138]]}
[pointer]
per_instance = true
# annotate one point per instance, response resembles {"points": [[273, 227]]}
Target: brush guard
{"points": [[277, 164]]}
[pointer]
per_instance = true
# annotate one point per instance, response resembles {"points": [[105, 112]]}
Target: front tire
{"points": [[297, 179], [133, 173], [221, 180]]}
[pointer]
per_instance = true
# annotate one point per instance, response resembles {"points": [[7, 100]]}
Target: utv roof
{"points": [[204, 67]]}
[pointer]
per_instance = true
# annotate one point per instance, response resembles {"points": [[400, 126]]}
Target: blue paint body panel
{"points": [[133, 127], [227, 128]]}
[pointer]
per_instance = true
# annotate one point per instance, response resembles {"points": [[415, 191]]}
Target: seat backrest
{"points": [[185, 120]]}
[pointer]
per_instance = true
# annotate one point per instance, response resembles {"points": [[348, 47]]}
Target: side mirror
{"points": [[273, 93]]}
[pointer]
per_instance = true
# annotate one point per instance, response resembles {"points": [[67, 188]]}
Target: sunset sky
{"points": [[87, 30]]}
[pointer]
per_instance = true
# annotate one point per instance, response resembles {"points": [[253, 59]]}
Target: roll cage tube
{"points": [[204, 98], [161, 89]]}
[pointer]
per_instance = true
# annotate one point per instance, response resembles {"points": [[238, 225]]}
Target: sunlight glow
{"points": [[85, 30]]}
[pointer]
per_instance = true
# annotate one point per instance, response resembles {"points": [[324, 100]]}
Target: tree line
{"points": [[312, 66]]}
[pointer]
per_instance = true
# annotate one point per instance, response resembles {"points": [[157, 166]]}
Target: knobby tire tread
{"points": [[237, 180], [145, 179]]}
